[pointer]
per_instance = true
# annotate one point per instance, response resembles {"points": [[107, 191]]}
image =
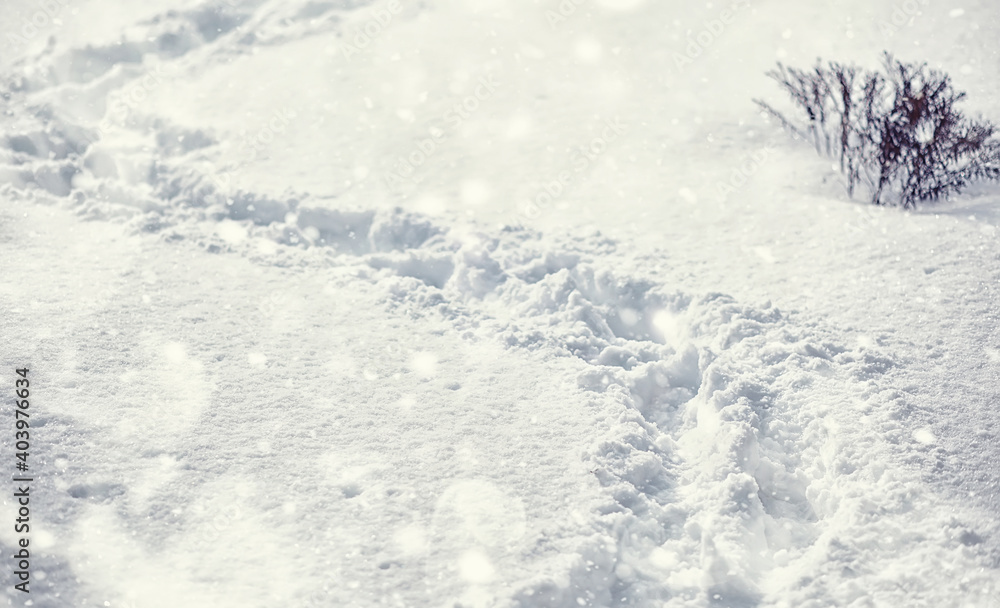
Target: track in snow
{"points": [[740, 457], [740, 453]]}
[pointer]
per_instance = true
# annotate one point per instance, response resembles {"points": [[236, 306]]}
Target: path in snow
{"points": [[705, 452], [317, 407]]}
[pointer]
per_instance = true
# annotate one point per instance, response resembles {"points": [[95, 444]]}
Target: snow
{"points": [[486, 304]]}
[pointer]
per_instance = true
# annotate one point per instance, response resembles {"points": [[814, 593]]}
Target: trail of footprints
{"points": [[721, 419], [702, 459], [711, 446], [718, 412]]}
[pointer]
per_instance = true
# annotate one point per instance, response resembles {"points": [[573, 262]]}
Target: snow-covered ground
{"points": [[485, 303]]}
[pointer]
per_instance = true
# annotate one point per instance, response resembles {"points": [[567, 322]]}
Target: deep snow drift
{"points": [[485, 308]]}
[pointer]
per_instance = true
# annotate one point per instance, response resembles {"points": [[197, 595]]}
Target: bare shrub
{"points": [[896, 133]]}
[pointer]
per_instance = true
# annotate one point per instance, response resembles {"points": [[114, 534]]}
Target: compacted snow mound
{"points": [[728, 464]]}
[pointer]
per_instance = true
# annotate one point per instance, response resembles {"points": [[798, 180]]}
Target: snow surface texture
{"points": [[279, 363]]}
